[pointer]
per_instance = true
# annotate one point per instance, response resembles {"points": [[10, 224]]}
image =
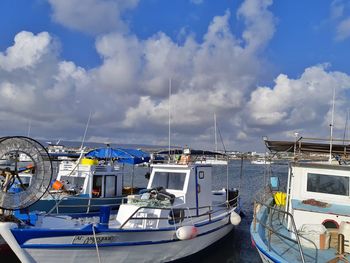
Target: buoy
{"points": [[186, 232], [235, 218], [57, 185]]}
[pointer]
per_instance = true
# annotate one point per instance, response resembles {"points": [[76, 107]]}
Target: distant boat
{"points": [[61, 152], [212, 161], [261, 161]]}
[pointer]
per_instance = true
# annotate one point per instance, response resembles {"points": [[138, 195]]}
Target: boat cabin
{"points": [[319, 194], [90, 178], [182, 187], [190, 184]]}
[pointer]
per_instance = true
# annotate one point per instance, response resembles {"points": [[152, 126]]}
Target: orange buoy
{"points": [[57, 185]]}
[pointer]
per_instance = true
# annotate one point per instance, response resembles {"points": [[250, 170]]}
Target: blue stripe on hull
{"points": [[50, 246], [24, 234]]}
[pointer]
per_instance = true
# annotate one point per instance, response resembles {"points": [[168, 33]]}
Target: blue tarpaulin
{"points": [[130, 156]]}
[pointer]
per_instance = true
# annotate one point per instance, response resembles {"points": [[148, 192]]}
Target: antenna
{"points": [[346, 127], [331, 127], [87, 125], [215, 136], [29, 127], [169, 117]]}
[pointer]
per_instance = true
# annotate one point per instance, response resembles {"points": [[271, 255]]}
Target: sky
{"points": [[263, 67]]}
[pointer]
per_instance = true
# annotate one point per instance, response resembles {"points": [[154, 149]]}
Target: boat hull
{"points": [[126, 245], [132, 253]]}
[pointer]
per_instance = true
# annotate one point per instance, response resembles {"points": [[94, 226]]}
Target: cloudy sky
{"points": [[264, 67]]}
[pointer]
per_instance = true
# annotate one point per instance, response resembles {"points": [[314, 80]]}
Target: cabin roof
{"points": [[321, 165], [175, 166], [302, 146]]}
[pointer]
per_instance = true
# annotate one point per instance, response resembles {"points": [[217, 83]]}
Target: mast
{"points": [[29, 127], [331, 127], [169, 117], [86, 127], [215, 135]]}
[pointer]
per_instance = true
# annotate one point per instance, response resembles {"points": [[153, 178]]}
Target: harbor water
{"points": [[237, 246]]}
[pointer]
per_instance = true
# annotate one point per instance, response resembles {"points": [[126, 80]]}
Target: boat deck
{"points": [[330, 208], [281, 249]]}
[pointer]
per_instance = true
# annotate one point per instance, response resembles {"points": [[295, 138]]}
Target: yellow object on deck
{"points": [[280, 198], [87, 161]]}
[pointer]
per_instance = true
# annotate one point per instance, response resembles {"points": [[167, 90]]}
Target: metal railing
{"points": [[274, 212], [209, 211], [90, 203], [116, 201]]}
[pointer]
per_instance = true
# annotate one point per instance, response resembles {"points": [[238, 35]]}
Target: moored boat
{"points": [[309, 222], [82, 185], [176, 216]]}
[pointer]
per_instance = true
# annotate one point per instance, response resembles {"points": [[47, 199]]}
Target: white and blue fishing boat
{"points": [[176, 216], [310, 220], [82, 185]]}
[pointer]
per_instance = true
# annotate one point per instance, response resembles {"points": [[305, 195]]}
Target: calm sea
{"points": [[237, 246]]}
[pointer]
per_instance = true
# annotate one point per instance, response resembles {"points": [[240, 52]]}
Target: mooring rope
{"points": [[97, 251]]}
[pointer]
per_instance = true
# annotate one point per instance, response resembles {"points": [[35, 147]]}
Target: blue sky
{"points": [[264, 67]]}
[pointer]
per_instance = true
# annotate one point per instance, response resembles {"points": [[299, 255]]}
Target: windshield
{"points": [[169, 180]]}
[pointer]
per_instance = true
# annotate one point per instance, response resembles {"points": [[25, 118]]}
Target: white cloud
{"points": [[294, 104], [128, 92], [27, 51], [337, 9], [343, 29], [91, 16], [259, 21]]}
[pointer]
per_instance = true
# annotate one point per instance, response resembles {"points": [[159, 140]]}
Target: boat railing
{"points": [[91, 202], [261, 201], [209, 211]]}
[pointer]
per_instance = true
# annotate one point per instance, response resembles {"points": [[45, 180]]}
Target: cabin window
{"points": [[201, 175], [72, 182], [328, 184], [168, 180], [97, 186], [110, 186]]}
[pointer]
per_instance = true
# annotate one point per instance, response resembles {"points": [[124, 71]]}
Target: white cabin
{"points": [[319, 194], [191, 184], [90, 178], [188, 187]]}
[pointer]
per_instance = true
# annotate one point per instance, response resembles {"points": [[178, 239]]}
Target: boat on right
{"points": [[308, 220]]}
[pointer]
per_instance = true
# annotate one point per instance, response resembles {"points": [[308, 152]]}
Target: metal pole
{"points": [[169, 117], [331, 127]]}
